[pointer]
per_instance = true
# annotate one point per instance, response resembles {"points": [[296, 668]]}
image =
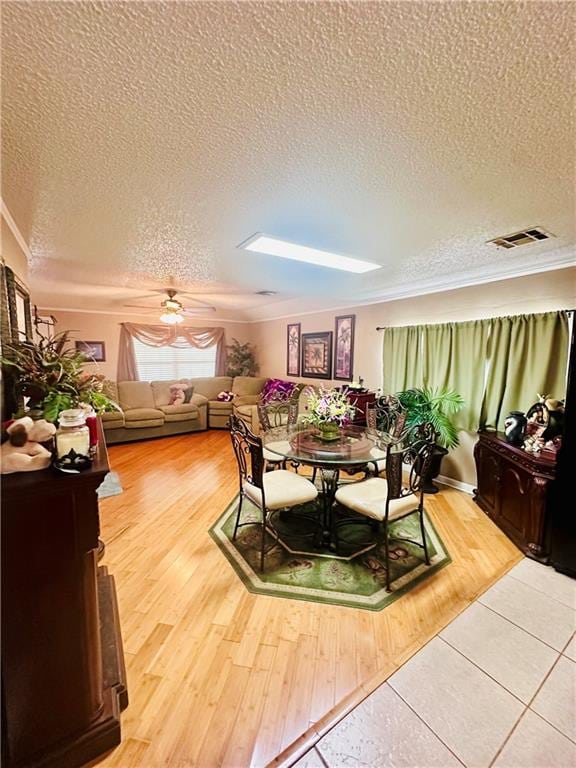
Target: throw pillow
{"points": [[180, 393], [277, 389]]}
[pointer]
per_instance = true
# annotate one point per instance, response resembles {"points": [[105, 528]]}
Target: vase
{"points": [[514, 426], [329, 431]]}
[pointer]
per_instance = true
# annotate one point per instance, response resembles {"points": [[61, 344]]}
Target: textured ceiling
{"points": [[142, 141]]}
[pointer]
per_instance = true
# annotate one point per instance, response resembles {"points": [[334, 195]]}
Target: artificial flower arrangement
{"points": [[328, 407], [52, 376]]}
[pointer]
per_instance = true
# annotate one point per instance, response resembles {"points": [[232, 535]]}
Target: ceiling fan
{"points": [[173, 311]]}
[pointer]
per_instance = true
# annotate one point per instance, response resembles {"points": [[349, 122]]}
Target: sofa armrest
{"points": [[246, 400], [197, 399]]}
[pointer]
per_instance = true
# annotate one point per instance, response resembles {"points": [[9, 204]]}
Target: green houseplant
{"points": [[241, 360], [52, 375], [435, 406]]}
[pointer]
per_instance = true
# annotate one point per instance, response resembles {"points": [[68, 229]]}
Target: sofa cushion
{"points": [[198, 400], [143, 417], [182, 412], [180, 408], [135, 395], [161, 390], [247, 385], [210, 386], [217, 406], [112, 419]]}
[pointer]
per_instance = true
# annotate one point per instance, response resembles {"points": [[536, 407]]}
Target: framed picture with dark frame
{"points": [[344, 347], [16, 311], [293, 349], [317, 355], [94, 351]]}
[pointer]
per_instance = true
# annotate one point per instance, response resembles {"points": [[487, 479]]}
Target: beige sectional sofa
{"points": [[146, 412]]}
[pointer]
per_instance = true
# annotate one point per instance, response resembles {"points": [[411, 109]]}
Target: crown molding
{"points": [[84, 311], [9, 219], [565, 259]]}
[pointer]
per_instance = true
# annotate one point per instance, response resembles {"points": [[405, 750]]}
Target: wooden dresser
{"points": [[513, 489], [361, 400], [63, 678]]}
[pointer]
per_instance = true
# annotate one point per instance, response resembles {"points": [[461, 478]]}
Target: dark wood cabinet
{"points": [[513, 489], [63, 679], [361, 400]]}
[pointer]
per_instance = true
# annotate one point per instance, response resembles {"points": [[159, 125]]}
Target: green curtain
{"points": [[527, 356], [454, 357], [497, 365], [402, 358]]}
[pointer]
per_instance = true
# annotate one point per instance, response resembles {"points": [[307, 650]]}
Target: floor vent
{"points": [[521, 238]]}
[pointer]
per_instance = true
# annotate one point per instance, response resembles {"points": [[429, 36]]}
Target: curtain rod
{"points": [[384, 327]]}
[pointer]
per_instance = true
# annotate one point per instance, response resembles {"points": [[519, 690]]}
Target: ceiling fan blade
{"points": [[191, 311], [140, 306], [196, 301]]}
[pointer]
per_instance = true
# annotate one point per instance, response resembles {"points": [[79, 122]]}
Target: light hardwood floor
{"points": [[220, 677]]}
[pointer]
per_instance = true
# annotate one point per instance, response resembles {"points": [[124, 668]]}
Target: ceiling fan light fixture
{"points": [[171, 317], [172, 305]]}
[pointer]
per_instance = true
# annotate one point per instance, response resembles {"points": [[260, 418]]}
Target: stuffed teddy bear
{"points": [[177, 394], [22, 451], [180, 393]]}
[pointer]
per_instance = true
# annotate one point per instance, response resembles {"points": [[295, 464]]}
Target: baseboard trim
{"points": [[458, 484]]}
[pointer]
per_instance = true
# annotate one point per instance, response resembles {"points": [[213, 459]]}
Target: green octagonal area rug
{"points": [[298, 571]]}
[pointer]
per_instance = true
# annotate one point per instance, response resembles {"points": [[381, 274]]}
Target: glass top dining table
{"points": [[355, 446]]}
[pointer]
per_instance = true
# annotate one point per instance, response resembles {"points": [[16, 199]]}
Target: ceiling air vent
{"points": [[521, 238]]}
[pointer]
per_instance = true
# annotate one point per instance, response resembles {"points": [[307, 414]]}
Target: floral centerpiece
{"points": [[52, 376], [328, 410]]}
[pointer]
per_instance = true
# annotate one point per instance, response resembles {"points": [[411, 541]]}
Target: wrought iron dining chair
{"points": [[277, 413], [268, 491], [386, 417], [379, 502]]}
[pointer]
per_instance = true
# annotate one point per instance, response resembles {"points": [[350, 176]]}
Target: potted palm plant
{"points": [[435, 406]]}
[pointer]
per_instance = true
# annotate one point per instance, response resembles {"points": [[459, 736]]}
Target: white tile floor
{"points": [[496, 688]]}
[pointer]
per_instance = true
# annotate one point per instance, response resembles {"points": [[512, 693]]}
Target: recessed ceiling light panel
{"points": [[272, 246]]}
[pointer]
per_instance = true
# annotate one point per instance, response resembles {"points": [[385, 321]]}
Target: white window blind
{"points": [[155, 363]]}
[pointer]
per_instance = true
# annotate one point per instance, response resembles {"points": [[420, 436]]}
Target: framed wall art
{"points": [[16, 311], [317, 355], [293, 349], [344, 347], [94, 351]]}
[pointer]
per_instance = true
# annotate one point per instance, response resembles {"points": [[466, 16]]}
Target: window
{"points": [[156, 363]]}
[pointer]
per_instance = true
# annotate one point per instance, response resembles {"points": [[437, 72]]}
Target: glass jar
{"points": [[72, 435]]}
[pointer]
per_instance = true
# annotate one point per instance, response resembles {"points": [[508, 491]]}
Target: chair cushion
{"points": [[380, 456], [143, 417], [368, 497], [282, 489], [271, 455]]}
